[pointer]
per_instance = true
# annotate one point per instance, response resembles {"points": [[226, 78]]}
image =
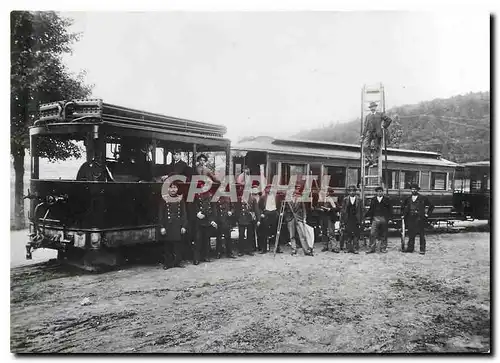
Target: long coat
{"points": [[246, 211], [172, 216], [203, 203], [224, 206], [344, 209], [422, 202], [375, 122], [295, 209]]}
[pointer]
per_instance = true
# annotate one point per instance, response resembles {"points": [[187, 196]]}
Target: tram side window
{"points": [[160, 156], [353, 176], [337, 176], [438, 181], [288, 170], [425, 180], [408, 178], [393, 179], [273, 172]]}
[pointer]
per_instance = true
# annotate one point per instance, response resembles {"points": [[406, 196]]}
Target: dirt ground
{"points": [[330, 303]]}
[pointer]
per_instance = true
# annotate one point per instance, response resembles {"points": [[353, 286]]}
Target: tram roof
{"points": [[331, 150], [485, 163], [72, 116]]}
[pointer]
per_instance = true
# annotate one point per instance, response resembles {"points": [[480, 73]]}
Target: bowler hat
{"points": [[352, 187], [372, 104], [414, 186], [379, 188]]}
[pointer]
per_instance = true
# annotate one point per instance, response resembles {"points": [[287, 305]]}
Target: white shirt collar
{"points": [[379, 198]]}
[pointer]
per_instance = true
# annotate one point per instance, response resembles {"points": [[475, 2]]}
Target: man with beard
{"points": [[415, 216], [351, 219]]}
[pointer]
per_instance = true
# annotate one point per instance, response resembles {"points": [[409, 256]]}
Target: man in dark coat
{"points": [[173, 220], [268, 219], [225, 213], [351, 219], [246, 214], [380, 213], [178, 166], [329, 209], [415, 215], [295, 211], [375, 122], [204, 213]]}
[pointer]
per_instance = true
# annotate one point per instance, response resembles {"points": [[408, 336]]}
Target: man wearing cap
{"points": [[413, 210], [351, 219], [380, 213], [204, 213], [373, 132]]}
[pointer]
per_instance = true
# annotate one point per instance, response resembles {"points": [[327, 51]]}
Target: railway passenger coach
{"points": [[272, 157]]}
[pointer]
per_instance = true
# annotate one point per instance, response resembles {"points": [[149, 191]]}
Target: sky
{"points": [[276, 73]]}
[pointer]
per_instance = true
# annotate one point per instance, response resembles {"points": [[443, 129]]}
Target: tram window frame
{"points": [[351, 172], [285, 177], [406, 182], [393, 182], [434, 174], [341, 181]]}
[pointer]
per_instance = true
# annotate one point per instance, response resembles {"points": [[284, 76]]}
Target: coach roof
{"points": [[330, 150]]}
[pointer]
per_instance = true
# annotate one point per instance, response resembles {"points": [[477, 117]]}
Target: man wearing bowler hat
{"points": [[351, 219], [415, 215], [373, 132], [380, 213]]}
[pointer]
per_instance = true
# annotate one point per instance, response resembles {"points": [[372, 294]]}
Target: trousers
{"points": [[416, 225], [378, 230]]}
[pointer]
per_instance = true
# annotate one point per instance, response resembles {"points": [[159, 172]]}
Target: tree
{"points": [[38, 75]]}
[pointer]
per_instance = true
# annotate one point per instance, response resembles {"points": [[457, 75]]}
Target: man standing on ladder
{"points": [[373, 133]]}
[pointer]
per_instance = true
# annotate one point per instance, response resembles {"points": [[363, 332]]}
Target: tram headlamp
{"points": [[95, 239]]}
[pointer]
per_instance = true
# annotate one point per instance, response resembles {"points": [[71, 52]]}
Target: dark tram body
{"points": [[284, 157], [112, 200]]}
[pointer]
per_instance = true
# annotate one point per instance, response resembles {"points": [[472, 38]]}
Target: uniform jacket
{"points": [[422, 202], [384, 208], [246, 211], [223, 206], [375, 122], [203, 203], [172, 216], [359, 209]]}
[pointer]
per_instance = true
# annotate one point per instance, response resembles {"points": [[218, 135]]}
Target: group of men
{"points": [[257, 216]]}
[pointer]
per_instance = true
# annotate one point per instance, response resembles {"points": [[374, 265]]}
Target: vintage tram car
{"points": [[111, 203], [283, 158]]}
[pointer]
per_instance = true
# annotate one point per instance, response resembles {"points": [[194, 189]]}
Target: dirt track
{"points": [[393, 302]]}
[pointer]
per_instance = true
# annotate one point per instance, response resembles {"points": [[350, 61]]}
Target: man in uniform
{"points": [[204, 214], [373, 132], [225, 213], [415, 216], [246, 214], [351, 219], [380, 213], [173, 221]]}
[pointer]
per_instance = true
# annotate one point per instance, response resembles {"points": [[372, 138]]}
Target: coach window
{"points": [[438, 181], [337, 176], [408, 178], [353, 176], [160, 156], [288, 170], [425, 179], [393, 179]]}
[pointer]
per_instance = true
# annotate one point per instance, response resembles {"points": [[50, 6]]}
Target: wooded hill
{"points": [[457, 127]]}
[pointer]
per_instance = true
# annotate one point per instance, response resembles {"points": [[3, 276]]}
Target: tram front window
{"points": [[57, 157]]}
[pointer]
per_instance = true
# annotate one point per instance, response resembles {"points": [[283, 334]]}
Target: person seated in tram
{"points": [[203, 169]]}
